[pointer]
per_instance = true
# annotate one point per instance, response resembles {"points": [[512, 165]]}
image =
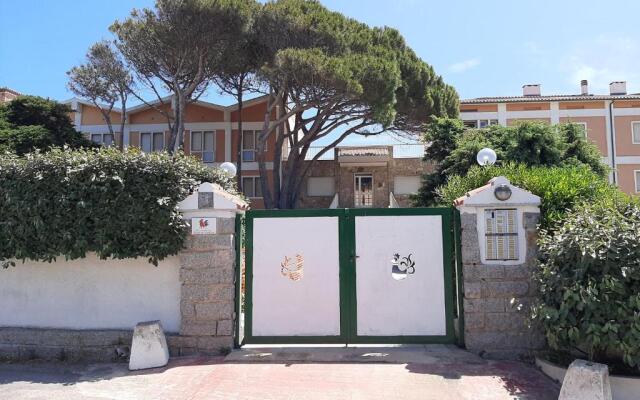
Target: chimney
{"points": [[618, 88], [584, 87], [531, 90]]}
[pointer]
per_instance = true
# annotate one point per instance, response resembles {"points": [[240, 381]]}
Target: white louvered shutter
{"points": [[501, 235]]}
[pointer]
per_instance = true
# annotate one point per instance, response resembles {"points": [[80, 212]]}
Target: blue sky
{"points": [[483, 48]]}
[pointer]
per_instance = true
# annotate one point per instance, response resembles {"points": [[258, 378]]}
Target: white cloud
{"points": [[602, 60], [465, 65]]}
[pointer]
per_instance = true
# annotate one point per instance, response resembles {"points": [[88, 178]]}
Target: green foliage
{"points": [[588, 283], [30, 122], [116, 204], [560, 188], [528, 143]]}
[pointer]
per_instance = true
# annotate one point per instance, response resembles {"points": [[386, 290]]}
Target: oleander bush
{"points": [[117, 204], [560, 188], [588, 283]]}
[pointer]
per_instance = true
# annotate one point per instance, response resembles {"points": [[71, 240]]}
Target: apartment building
{"points": [[211, 133], [365, 176], [355, 177], [611, 122], [6, 94]]}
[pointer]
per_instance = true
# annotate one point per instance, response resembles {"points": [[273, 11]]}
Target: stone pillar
{"points": [[497, 293], [207, 274]]}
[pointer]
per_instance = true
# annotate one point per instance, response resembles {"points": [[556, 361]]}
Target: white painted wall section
{"points": [[90, 294]]}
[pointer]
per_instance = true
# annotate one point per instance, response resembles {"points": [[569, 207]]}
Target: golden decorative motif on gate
{"points": [[292, 267]]}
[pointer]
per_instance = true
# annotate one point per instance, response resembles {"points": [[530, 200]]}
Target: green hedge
{"points": [[560, 188], [588, 283], [116, 204]]}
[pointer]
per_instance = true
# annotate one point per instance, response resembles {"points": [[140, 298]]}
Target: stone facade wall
{"points": [[494, 324], [383, 181], [208, 292], [207, 274]]}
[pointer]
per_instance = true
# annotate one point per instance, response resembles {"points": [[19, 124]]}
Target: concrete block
{"points": [[149, 348], [505, 289], [586, 381], [472, 290], [225, 328], [215, 311], [194, 328], [517, 272], [226, 225]]}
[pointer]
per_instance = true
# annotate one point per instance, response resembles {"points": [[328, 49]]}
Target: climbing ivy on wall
{"points": [[117, 204]]}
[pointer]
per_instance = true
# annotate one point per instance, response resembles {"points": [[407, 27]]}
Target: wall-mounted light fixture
{"points": [[502, 192]]}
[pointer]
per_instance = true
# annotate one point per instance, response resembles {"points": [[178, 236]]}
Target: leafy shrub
{"points": [[560, 188], [588, 283], [31, 122], [117, 204], [534, 144]]}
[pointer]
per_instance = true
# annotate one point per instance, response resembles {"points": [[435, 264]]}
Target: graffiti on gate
{"points": [[292, 267]]}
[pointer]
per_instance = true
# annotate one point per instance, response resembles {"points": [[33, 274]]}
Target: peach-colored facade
{"points": [[596, 130], [6, 95], [608, 120], [199, 117]]}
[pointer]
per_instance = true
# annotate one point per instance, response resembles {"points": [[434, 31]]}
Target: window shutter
{"points": [[501, 234]]}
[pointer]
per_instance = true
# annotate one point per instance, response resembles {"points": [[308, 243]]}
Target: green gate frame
{"points": [[347, 278]]}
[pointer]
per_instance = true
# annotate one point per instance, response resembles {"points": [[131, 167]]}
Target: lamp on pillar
{"points": [[486, 156], [229, 168]]}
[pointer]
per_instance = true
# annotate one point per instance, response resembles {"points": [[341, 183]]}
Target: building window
{"points": [[635, 131], [583, 127], [250, 145], [152, 141], [501, 234], [363, 191], [203, 145], [636, 175], [251, 186], [321, 186], [405, 185], [105, 139], [480, 123], [483, 123]]}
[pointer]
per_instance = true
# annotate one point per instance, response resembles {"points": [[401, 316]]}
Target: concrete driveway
{"points": [[430, 372]]}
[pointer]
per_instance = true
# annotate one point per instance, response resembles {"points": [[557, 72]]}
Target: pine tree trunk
{"points": [[240, 140]]}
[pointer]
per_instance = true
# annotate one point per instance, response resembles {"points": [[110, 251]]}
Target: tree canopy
{"points": [[334, 76], [104, 80], [454, 147], [28, 123], [325, 76], [175, 48]]}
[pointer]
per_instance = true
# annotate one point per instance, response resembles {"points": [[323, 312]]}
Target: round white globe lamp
{"points": [[229, 168], [486, 156]]}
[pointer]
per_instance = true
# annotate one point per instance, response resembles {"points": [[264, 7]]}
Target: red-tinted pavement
{"points": [[212, 378]]}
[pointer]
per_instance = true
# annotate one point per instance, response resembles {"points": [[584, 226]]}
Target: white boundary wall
{"points": [[91, 293]]}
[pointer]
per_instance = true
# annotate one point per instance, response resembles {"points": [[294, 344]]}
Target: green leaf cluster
{"points": [[560, 188], [117, 204], [588, 283], [28, 123], [454, 148]]}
